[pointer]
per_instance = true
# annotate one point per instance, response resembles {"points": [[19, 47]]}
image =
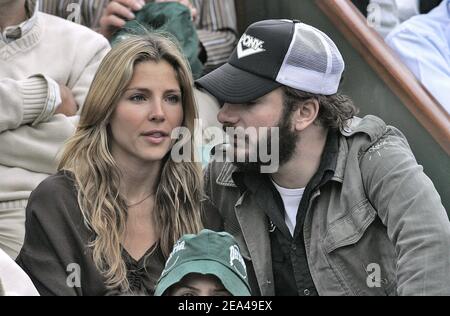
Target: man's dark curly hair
{"points": [[334, 110]]}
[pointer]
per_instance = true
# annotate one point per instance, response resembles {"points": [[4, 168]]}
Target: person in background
{"points": [[215, 20], [119, 201], [423, 44], [207, 264], [46, 67], [86, 12], [385, 15]]}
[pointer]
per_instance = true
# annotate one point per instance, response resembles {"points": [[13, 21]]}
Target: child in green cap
{"points": [[207, 264]]}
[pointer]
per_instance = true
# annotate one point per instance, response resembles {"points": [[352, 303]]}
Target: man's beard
{"points": [[288, 140]]}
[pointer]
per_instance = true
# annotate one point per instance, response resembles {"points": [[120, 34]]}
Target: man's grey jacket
{"points": [[378, 228]]}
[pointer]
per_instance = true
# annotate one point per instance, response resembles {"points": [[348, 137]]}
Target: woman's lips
{"points": [[155, 137]]}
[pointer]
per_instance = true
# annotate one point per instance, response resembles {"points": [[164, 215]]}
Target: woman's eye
{"points": [[137, 98], [188, 294], [173, 99]]}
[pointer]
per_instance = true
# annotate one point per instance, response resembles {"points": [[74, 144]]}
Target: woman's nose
{"points": [[157, 112]]}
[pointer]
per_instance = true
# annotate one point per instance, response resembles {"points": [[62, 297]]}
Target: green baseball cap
{"points": [[206, 253]]}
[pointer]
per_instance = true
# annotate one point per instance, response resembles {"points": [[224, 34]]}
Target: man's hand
{"points": [[68, 106], [116, 14]]}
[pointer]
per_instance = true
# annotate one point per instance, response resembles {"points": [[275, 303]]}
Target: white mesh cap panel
{"points": [[309, 55], [313, 62]]}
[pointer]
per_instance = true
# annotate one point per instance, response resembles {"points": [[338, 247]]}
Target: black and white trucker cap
{"points": [[273, 53]]}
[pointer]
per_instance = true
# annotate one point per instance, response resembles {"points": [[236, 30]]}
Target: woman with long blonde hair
{"points": [[106, 223]]}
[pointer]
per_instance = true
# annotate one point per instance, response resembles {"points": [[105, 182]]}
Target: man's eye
{"points": [[137, 98], [252, 103]]}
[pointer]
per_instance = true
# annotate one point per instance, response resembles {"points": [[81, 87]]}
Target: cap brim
{"points": [[230, 280], [233, 85]]}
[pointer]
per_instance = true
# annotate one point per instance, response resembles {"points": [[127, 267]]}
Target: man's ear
{"points": [[305, 115]]}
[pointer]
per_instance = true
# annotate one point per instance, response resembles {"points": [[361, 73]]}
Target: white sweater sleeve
{"points": [[29, 101], [36, 148], [88, 64]]}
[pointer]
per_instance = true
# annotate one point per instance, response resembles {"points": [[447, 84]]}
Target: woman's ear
{"points": [[305, 115]]}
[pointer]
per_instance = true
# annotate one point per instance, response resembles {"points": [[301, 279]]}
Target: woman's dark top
{"points": [[56, 255]]}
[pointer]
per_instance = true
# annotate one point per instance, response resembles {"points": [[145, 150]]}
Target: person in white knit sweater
{"points": [[46, 68]]}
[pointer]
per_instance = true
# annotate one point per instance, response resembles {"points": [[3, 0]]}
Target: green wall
{"points": [[370, 93]]}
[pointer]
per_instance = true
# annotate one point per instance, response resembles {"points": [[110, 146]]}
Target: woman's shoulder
{"points": [[61, 183], [55, 195]]}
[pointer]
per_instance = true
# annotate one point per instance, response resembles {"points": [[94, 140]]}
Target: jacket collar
{"points": [[370, 126]]}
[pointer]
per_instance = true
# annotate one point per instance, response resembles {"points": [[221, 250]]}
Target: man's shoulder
{"points": [[370, 125], [71, 31], [369, 133]]}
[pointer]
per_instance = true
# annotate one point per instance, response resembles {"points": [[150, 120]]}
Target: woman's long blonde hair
{"points": [[88, 157]]}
